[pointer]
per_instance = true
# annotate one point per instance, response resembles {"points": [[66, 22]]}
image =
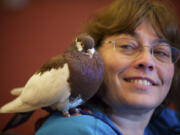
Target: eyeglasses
{"points": [[162, 51]]}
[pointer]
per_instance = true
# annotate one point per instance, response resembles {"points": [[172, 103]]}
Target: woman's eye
{"points": [[162, 53], [126, 47]]}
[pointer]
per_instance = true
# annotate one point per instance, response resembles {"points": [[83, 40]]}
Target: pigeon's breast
{"points": [[86, 74]]}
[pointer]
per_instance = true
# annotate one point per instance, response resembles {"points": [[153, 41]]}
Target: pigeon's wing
{"points": [[53, 63], [48, 84], [44, 88], [47, 88], [40, 91]]}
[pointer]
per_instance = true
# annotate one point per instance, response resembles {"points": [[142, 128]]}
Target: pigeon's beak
{"points": [[91, 52]]}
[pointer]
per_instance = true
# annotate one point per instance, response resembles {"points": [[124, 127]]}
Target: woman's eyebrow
{"points": [[161, 40], [133, 35]]}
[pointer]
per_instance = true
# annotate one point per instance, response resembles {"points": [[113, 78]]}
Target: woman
{"points": [[138, 41]]}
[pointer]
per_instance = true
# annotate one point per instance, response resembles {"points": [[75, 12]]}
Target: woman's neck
{"points": [[131, 122]]}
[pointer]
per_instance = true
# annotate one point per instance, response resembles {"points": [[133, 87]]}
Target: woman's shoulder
{"points": [[76, 125], [167, 122], [170, 116]]}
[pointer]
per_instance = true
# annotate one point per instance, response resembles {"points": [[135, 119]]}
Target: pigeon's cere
{"points": [[63, 82]]}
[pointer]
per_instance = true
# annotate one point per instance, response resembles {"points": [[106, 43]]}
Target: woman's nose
{"points": [[145, 61]]}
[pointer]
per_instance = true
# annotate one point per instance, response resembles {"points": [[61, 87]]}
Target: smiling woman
{"points": [[139, 43], [136, 81]]}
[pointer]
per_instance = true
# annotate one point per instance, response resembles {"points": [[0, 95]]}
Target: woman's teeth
{"points": [[141, 82]]}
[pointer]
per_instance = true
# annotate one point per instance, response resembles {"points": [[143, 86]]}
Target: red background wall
{"points": [[29, 36]]}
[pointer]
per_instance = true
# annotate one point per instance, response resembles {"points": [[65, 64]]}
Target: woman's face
{"points": [[135, 82]]}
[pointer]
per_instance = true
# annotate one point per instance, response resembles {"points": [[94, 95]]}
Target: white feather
{"points": [[76, 102], [65, 106], [17, 103], [42, 90], [16, 91], [79, 45]]}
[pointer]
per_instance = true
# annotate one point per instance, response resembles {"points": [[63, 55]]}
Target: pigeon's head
{"points": [[85, 43]]}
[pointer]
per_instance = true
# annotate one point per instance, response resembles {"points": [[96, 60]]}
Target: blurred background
{"points": [[31, 32]]}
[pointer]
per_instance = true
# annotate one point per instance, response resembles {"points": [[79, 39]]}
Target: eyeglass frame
{"points": [[152, 49]]}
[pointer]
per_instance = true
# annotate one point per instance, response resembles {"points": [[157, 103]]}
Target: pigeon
{"points": [[63, 82]]}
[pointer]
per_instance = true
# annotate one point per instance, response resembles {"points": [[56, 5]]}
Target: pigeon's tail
{"points": [[16, 106], [16, 120]]}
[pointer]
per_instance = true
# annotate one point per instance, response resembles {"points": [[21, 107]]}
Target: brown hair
{"points": [[123, 16]]}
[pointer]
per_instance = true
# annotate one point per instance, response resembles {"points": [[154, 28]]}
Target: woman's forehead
{"points": [[145, 27]]}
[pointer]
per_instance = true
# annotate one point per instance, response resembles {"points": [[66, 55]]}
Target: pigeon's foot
{"points": [[71, 112], [75, 111], [66, 114]]}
